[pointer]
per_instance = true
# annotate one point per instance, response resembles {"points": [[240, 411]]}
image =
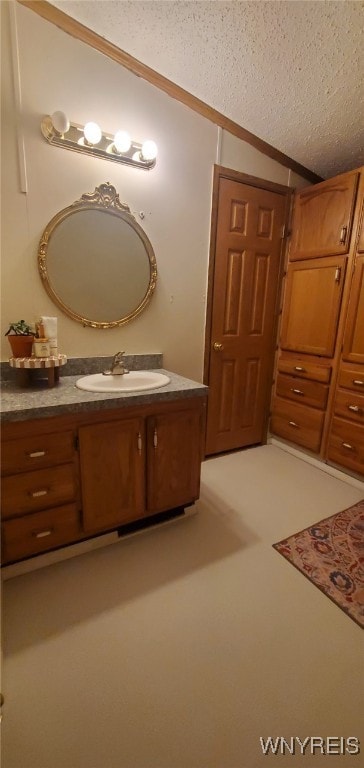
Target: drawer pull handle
{"points": [[293, 424], [155, 437], [139, 442], [297, 391], [36, 454], [358, 382], [343, 235], [337, 274], [42, 492], [355, 409], [43, 534], [348, 446], [299, 368]]}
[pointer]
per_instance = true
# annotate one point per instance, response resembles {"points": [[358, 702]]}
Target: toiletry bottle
{"points": [[41, 347], [50, 329]]}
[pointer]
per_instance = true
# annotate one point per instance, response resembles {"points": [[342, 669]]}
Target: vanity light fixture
{"points": [[91, 140]]}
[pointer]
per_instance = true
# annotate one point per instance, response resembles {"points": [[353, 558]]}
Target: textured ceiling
{"points": [[289, 71]]}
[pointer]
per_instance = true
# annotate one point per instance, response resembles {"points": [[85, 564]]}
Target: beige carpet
{"points": [[182, 647]]}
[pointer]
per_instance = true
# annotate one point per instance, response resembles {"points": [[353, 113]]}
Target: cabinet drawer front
{"points": [[346, 445], [350, 405], [38, 490], [310, 393], [297, 423], [353, 379], [26, 454], [305, 370], [39, 532]]}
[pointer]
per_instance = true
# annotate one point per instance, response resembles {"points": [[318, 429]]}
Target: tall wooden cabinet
{"points": [[318, 393]]}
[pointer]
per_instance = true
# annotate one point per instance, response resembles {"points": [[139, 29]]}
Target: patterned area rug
{"points": [[331, 555]]}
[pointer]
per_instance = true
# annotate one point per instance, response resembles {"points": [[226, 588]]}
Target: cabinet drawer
{"points": [[350, 405], [305, 370], [352, 379], [30, 453], [297, 423], [39, 532], [346, 445], [38, 490], [311, 393]]}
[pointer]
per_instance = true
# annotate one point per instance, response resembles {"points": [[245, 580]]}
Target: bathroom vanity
{"points": [[78, 464]]}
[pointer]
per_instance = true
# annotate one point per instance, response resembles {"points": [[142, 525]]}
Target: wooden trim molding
{"points": [[86, 35]]}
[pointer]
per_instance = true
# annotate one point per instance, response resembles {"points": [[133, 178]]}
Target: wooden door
{"points": [[323, 218], [312, 306], [112, 460], [173, 459], [244, 292]]}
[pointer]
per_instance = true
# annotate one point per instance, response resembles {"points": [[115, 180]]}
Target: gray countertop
{"points": [[39, 401]]}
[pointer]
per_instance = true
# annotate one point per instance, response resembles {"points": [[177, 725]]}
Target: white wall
{"points": [[59, 72]]}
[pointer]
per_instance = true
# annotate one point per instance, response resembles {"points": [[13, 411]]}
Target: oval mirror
{"points": [[96, 262]]}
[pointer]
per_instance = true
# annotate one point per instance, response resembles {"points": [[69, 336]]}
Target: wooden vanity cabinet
{"points": [[68, 478], [132, 468]]}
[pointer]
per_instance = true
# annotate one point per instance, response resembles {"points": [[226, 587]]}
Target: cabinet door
{"points": [[312, 306], [360, 243], [323, 218], [112, 473], [174, 459], [353, 347]]}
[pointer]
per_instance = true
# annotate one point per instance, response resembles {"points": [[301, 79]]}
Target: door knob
{"points": [[217, 346]]}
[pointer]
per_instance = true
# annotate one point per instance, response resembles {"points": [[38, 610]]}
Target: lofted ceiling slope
{"points": [[289, 71]]}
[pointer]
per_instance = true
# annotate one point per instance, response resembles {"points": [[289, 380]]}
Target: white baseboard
{"points": [[82, 547], [350, 479]]}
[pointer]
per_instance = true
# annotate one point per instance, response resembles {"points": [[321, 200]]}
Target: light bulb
{"points": [[60, 122], [122, 141], [149, 150], [92, 133]]}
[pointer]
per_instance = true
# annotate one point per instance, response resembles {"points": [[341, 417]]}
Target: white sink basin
{"points": [[135, 381]]}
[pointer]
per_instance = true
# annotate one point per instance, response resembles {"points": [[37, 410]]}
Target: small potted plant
{"points": [[21, 337]]}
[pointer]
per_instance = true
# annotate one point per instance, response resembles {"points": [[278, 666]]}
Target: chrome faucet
{"points": [[117, 367]]}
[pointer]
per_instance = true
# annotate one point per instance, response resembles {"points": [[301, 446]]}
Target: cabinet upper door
{"points": [[353, 347], [112, 473], [323, 218], [360, 244], [173, 459], [312, 306]]}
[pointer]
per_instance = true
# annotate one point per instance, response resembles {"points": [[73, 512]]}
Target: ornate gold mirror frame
{"points": [[96, 262]]}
